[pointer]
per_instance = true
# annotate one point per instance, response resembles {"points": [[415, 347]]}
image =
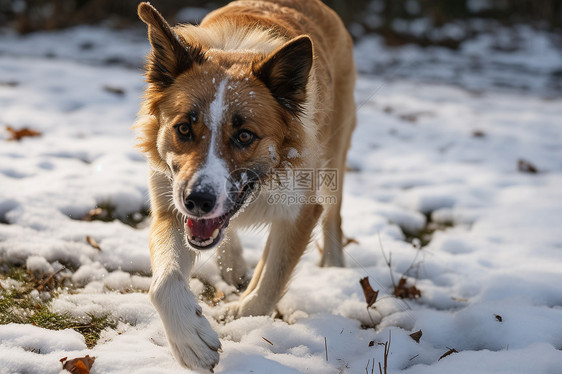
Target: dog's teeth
{"points": [[215, 234]]}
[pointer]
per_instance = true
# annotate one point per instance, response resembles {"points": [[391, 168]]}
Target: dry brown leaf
{"points": [[371, 343], [21, 133], [525, 166], [498, 317], [459, 299], [114, 90], [404, 292], [80, 365], [96, 214], [50, 282], [9, 83], [92, 242], [370, 294], [412, 117], [219, 296], [416, 336], [449, 352], [478, 134]]}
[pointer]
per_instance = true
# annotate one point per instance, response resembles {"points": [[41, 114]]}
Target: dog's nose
{"points": [[200, 203]]}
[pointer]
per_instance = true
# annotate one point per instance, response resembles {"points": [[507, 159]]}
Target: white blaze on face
{"points": [[213, 174]]}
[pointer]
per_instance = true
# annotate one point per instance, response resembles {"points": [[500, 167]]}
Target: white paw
{"points": [[226, 312], [252, 305], [193, 342]]}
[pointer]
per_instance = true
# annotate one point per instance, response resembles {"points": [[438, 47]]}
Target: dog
{"points": [[259, 93]]}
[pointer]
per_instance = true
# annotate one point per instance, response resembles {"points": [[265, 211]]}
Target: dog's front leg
{"points": [[286, 243], [230, 261], [193, 342]]}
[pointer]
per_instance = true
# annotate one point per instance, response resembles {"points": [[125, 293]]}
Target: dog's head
{"points": [[217, 121]]}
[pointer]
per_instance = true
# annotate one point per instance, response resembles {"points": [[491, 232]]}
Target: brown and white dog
{"points": [[257, 87]]}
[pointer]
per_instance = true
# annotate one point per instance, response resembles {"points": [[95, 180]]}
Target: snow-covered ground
{"points": [[490, 278]]}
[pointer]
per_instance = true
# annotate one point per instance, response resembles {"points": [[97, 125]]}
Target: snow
{"points": [[414, 159], [497, 60]]}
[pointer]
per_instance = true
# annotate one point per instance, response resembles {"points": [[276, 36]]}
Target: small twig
{"points": [[412, 265], [326, 347], [82, 326], [371, 317], [388, 261], [267, 340], [449, 352], [46, 281], [386, 353]]}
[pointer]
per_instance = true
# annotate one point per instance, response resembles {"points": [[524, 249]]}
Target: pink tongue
{"points": [[203, 228]]}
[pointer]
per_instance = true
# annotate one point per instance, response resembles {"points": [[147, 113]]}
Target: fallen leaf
{"points": [[459, 299], [50, 281], [416, 336], [404, 292], [478, 134], [413, 117], [80, 365], [21, 133], [9, 83], [370, 294], [93, 213], [219, 295], [371, 343], [114, 90], [498, 317], [92, 242], [525, 166], [449, 352], [104, 214]]}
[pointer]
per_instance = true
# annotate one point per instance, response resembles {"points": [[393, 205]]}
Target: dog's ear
{"points": [[285, 72], [171, 55]]}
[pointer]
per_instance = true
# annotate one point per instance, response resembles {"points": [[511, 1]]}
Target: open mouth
{"points": [[204, 233]]}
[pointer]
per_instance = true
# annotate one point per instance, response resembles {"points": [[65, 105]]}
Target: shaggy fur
{"points": [[258, 87]]}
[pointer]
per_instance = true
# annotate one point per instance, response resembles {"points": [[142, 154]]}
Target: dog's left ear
{"points": [[285, 72], [171, 55]]}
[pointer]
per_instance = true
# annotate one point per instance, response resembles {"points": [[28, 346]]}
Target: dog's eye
{"points": [[183, 130], [244, 138]]}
